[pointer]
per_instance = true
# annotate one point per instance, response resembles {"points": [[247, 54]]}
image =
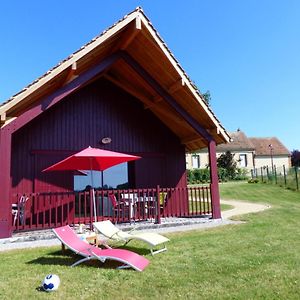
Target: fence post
{"points": [[158, 220], [261, 174], [275, 174], [284, 175], [297, 183]]}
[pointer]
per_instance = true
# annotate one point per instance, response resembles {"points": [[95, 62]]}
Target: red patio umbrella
{"points": [[92, 159]]}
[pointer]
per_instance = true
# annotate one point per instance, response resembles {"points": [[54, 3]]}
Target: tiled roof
{"points": [[262, 146], [239, 142]]}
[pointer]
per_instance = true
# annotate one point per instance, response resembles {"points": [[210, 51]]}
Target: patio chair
{"points": [[121, 209], [18, 211], [109, 230], [71, 240]]}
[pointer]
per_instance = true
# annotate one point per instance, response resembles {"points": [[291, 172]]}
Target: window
{"points": [[114, 177], [196, 161], [243, 160]]}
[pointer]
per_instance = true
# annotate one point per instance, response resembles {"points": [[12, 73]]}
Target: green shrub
{"points": [[223, 174], [241, 174], [253, 180], [190, 176], [198, 176], [195, 176]]}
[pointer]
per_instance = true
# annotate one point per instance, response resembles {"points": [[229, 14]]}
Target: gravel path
{"points": [[242, 207], [169, 225]]}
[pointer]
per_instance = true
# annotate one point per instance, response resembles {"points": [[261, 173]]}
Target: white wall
{"points": [[203, 158], [278, 161]]}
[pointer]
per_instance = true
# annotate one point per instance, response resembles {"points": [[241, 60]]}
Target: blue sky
{"points": [[246, 53]]}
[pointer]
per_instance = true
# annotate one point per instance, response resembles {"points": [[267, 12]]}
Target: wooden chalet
{"points": [[125, 87]]}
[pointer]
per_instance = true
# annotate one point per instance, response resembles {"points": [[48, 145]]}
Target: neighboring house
{"points": [[270, 151], [249, 153], [124, 86], [240, 146]]}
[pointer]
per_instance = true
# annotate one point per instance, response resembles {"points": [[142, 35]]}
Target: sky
{"points": [[246, 53]]}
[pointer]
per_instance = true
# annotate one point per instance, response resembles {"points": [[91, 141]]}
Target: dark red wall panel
{"points": [[84, 118]]}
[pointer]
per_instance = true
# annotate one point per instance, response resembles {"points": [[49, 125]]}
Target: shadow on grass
{"points": [[138, 250], [40, 289], [68, 258]]}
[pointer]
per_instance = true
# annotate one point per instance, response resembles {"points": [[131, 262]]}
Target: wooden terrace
{"points": [[48, 210]]}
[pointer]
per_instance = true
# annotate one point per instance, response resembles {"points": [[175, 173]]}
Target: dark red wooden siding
{"points": [[84, 118]]}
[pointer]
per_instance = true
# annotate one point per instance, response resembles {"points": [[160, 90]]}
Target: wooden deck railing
{"points": [[48, 210]]}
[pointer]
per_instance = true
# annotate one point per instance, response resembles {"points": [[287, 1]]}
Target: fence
{"points": [[286, 177], [47, 210]]}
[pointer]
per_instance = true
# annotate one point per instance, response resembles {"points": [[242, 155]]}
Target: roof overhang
{"points": [[145, 68]]}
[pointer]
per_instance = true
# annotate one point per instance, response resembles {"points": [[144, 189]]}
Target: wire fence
{"points": [[283, 176]]}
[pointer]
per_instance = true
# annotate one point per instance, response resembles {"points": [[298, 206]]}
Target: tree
{"points": [[227, 162], [295, 157], [207, 97]]}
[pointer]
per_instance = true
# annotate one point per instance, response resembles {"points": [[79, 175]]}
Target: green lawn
{"points": [[256, 260]]}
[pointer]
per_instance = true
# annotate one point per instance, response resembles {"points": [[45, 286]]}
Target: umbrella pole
{"points": [[94, 198]]}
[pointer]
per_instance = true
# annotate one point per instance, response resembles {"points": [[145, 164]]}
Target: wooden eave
{"points": [[135, 35]]}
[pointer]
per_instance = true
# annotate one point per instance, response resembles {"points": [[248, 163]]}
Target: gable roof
{"points": [[135, 36], [262, 146], [239, 142]]}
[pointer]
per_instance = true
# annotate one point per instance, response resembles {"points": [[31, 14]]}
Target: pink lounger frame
{"points": [[71, 240]]}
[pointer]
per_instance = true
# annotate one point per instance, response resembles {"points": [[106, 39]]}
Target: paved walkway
{"points": [[45, 238], [242, 207]]}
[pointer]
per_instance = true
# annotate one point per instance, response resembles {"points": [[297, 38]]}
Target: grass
{"points": [[226, 207], [259, 259]]}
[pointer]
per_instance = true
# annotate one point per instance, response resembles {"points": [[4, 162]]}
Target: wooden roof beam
{"points": [[3, 117], [72, 74], [128, 88], [190, 139], [171, 90], [166, 96], [214, 131], [172, 117], [63, 92], [126, 39]]}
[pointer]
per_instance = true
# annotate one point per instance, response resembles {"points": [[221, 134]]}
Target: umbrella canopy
{"points": [[92, 159]]}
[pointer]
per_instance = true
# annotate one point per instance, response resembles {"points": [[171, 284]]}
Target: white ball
{"points": [[51, 283]]}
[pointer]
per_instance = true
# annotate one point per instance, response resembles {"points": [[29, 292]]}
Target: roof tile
{"points": [[262, 146]]}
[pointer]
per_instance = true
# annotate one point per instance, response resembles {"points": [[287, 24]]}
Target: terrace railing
{"points": [[47, 210]]}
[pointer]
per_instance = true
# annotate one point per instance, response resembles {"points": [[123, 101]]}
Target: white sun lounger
{"points": [[109, 230]]}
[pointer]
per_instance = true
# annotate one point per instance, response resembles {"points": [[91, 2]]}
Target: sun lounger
{"points": [[109, 230], [72, 241]]}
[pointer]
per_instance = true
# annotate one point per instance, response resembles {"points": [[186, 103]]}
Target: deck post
{"points": [[214, 181], [5, 183], [157, 217]]}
